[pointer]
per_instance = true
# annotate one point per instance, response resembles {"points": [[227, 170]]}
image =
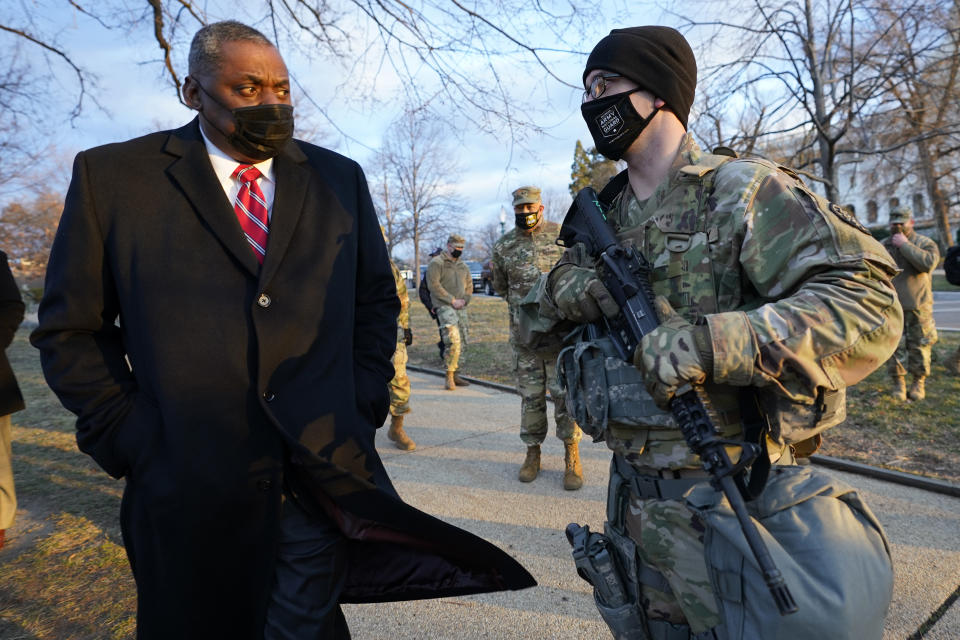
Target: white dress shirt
{"points": [[224, 166]]}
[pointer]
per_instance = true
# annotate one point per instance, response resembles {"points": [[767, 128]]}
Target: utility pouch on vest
{"points": [[799, 424], [616, 599], [831, 550], [601, 389], [541, 334]]}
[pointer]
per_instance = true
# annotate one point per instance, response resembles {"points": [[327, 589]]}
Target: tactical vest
{"points": [[607, 396]]}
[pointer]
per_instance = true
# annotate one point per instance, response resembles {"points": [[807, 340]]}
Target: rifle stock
{"points": [[625, 274]]}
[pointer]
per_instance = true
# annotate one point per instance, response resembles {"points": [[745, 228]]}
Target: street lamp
{"points": [[503, 218]]}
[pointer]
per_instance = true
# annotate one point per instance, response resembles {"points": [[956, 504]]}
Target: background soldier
{"points": [[433, 312], [916, 255], [400, 384], [451, 286], [519, 257], [760, 285], [11, 314]]}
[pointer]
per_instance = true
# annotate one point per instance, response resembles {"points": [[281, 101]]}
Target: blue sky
{"points": [[136, 99]]}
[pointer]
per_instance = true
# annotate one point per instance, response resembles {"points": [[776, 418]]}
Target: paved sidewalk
{"points": [[464, 471]]}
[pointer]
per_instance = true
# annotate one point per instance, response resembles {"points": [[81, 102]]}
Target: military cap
{"points": [[456, 240], [901, 215], [526, 195]]}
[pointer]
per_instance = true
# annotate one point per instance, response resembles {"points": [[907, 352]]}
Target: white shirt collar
{"points": [[224, 166]]}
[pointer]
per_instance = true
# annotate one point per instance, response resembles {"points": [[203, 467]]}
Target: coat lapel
{"points": [[194, 174], [292, 178]]}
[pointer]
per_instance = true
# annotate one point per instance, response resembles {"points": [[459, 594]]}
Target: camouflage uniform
{"points": [[519, 258], [400, 385], [448, 279], [797, 299], [917, 258]]}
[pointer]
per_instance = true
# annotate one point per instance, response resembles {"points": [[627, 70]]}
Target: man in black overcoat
{"points": [[239, 400], [11, 315]]}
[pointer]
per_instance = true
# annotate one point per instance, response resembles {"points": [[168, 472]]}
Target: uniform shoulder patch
{"points": [[847, 217]]}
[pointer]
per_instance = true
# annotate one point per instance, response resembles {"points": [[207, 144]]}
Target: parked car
{"points": [[476, 271], [486, 278]]}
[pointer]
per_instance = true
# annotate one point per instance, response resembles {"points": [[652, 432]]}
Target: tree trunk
{"points": [[937, 202]]}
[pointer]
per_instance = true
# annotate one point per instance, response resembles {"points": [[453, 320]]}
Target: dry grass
{"points": [[918, 437], [64, 575]]}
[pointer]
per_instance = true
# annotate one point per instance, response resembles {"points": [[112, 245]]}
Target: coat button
{"points": [[263, 300], [268, 395], [264, 485]]}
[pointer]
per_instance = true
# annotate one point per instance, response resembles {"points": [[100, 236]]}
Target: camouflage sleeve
{"points": [[923, 254], [832, 315], [403, 319], [467, 283], [438, 294], [500, 281], [575, 256]]}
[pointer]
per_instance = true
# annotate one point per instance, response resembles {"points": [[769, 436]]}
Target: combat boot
{"points": [[573, 475], [451, 382], [899, 391], [400, 438], [531, 464], [917, 392], [460, 382]]}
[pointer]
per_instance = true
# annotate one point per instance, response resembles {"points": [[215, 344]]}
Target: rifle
{"points": [[625, 274]]}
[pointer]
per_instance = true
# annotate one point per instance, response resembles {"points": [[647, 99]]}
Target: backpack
{"points": [[424, 294], [951, 264], [832, 551]]}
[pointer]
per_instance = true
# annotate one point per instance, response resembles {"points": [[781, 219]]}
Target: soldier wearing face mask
{"points": [[451, 286], [916, 255], [770, 301], [519, 258]]}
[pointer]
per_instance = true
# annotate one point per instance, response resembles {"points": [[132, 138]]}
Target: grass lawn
{"points": [[919, 438], [65, 575]]}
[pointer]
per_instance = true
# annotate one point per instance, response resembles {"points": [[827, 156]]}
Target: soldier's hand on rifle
{"points": [[407, 337], [673, 354], [580, 296]]}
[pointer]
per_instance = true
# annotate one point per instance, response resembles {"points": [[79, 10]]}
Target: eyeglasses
{"points": [[598, 85]]}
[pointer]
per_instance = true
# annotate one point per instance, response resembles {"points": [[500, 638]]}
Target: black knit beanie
{"points": [[656, 58]]}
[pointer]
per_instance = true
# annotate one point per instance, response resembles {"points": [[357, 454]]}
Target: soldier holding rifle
{"points": [[770, 301]]}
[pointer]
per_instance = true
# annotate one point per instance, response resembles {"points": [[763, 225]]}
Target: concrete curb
{"points": [[887, 475]]}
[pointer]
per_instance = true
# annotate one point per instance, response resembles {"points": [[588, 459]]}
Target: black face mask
{"points": [[261, 131], [455, 253], [526, 221], [614, 123]]}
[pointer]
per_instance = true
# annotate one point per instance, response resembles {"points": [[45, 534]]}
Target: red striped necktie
{"points": [[251, 209]]}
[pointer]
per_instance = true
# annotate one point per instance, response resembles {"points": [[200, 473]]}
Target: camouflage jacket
{"points": [[519, 258], [917, 257], [447, 280], [795, 292], [403, 320]]}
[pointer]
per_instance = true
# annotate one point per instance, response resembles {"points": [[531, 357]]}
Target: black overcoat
{"points": [[11, 315], [195, 375]]}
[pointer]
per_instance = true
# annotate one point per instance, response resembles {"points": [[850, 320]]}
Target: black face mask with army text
{"points": [[614, 123]]}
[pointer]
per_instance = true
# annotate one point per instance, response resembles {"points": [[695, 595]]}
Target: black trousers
{"points": [[310, 574]]}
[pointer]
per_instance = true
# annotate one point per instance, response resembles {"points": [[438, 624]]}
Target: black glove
{"points": [[407, 337]]}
